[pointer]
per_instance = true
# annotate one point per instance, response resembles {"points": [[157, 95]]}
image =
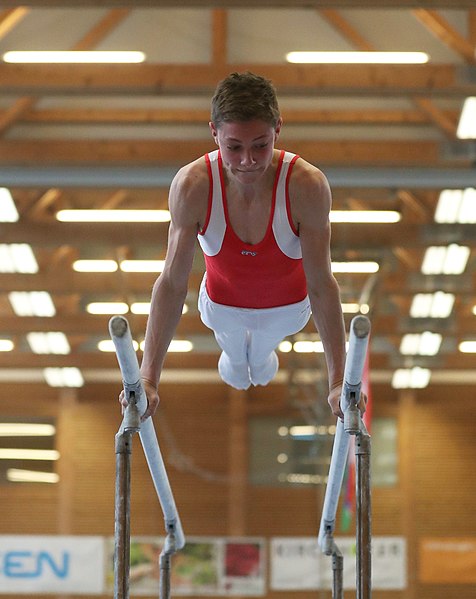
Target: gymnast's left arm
{"points": [[311, 203]]}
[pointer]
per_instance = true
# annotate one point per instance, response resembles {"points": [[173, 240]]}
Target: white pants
{"points": [[248, 337]]}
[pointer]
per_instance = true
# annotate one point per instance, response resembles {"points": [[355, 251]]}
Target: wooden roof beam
{"points": [[176, 153], [172, 79], [441, 29], [437, 116], [454, 4]]}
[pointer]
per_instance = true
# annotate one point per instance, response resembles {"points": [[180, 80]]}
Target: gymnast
{"points": [[261, 216]]}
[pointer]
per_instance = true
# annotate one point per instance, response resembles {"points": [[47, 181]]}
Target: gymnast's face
{"points": [[246, 147]]}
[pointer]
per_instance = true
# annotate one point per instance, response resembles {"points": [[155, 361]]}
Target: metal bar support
{"points": [[352, 425], [131, 423], [122, 509], [363, 515]]}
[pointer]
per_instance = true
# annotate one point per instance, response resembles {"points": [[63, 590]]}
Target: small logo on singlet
{"points": [[248, 253]]}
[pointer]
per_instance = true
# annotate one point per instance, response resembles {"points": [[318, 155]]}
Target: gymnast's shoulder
{"points": [[191, 184]]}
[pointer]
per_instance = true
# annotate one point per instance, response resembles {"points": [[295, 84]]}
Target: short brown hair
{"points": [[244, 97]]}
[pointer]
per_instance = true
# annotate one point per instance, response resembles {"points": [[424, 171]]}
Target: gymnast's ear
{"points": [[277, 129], [214, 131]]}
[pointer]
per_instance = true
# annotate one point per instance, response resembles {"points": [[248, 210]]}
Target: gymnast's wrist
{"points": [[149, 381], [336, 384]]}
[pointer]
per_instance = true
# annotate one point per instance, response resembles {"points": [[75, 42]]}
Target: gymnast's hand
{"points": [[334, 401], [152, 399]]}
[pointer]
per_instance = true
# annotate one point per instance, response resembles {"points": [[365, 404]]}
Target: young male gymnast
{"points": [[261, 216]]}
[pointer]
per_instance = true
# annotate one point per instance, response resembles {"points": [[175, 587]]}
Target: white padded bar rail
{"points": [[126, 356], [354, 365]]}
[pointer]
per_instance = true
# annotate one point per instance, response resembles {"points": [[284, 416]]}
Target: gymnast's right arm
{"points": [[188, 205]]}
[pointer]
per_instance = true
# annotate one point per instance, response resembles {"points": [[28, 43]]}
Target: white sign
{"points": [[52, 564], [297, 563]]}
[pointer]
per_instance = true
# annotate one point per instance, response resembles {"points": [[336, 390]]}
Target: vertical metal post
{"points": [[363, 514], [122, 515], [122, 507], [337, 573]]}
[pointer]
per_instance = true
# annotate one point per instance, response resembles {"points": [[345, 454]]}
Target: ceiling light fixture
{"points": [[74, 56], [411, 378], [176, 346], [445, 260], [432, 305], [365, 216], [28, 454], [467, 347], [355, 267], [32, 303], [422, 344], [142, 265], [107, 308], [456, 206], [63, 377], [17, 257], [48, 343], [8, 210], [107, 345], [95, 265], [467, 121], [26, 429], [6, 345], [113, 216], [18, 475], [357, 57]]}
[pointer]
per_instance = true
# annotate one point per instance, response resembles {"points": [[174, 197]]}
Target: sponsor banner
{"points": [[447, 561], [51, 564], [298, 563], [205, 566]]}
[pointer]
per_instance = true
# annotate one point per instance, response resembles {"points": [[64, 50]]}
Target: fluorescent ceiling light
{"points": [[32, 303], [6, 345], [358, 57], [141, 308], [107, 308], [176, 345], [432, 305], [467, 122], [17, 257], [48, 343], [355, 267], [113, 216], [26, 429], [467, 347], [365, 216], [17, 475], [411, 378], [309, 430], [63, 377], [107, 345], [95, 265], [74, 56], [307, 347], [285, 347], [8, 210], [29, 454], [449, 260], [456, 206], [354, 308], [422, 344], [142, 265]]}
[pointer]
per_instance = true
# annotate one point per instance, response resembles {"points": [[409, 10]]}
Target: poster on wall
{"points": [[298, 563], [51, 564], [205, 566]]}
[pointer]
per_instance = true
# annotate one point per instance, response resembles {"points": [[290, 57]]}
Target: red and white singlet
{"points": [[262, 275]]}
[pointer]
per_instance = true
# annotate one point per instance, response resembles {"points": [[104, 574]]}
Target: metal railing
{"points": [[131, 424], [352, 425]]}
